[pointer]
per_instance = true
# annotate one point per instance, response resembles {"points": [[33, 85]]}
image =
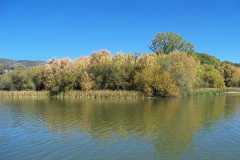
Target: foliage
{"points": [[1, 69], [6, 82], [207, 59], [210, 77], [122, 72], [83, 80], [183, 69], [153, 80], [100, 68], [227, 71], [37, 74], [59, 76], [19, 79], [168, 42], [179, 71], [236, 77]]}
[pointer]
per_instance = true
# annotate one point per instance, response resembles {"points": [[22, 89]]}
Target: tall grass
{"points": [[24, 94], [105, 94], [208, 92]]}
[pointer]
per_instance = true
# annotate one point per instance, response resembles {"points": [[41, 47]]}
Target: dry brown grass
{"points": [[105, 94]]}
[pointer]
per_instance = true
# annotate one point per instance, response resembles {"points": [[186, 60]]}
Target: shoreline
{"points": [[108, 94], [105, 94]]}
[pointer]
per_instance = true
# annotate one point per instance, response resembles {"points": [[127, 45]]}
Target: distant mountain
{"points": [[8, 64]]}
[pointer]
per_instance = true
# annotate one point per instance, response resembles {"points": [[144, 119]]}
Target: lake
{"points": [[205, 127]]}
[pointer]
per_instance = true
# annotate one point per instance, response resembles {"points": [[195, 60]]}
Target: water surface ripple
{"points": [[190, 128]]}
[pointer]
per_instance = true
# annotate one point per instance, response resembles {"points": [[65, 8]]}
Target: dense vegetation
{"points": [[172, 69]]}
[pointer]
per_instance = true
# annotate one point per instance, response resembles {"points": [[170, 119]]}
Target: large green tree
{"points": [[165, 43]]}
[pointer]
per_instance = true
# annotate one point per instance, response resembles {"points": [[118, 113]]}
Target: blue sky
{"points": [[43, 29]]}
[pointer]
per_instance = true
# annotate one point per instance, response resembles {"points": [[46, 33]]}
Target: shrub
{"points": [[153, 80], [100, 68], [59, 76], [236, 77], [210, 77], [183, 69]]}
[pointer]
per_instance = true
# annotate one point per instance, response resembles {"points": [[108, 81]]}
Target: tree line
{"points": [[172, 68]]}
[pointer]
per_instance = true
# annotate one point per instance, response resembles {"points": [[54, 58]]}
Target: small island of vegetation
{"points": [[173, 68]]}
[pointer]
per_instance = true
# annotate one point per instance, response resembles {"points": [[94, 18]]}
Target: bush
{"points": [[227, 72], [100, 69], [183, 69], [6, 82], [19, 79], [209, 77], [153, 80], [122, 72], [37, 75], [58, 76], [236, 77]]}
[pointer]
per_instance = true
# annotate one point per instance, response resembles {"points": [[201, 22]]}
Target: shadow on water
{"points": [[168, 125]]}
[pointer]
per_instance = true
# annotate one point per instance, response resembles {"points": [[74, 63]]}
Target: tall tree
{"points": [[165, 43]]}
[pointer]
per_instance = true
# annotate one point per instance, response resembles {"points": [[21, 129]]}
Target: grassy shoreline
{"points": [[216, 91], [209, 92], [106, 94]]}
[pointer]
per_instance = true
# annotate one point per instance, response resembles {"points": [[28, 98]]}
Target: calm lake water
{"points": [[166, 129]]}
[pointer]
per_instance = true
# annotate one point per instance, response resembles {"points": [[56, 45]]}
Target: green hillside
{"points": [[8, 64]]}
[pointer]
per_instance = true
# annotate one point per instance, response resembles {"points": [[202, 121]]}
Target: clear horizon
{"points": [[56, 29]]}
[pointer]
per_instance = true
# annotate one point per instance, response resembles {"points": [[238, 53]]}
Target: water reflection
{"points": [[166, 126]]}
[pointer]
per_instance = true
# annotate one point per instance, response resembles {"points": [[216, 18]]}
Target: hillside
{"points": [[8, 64]]}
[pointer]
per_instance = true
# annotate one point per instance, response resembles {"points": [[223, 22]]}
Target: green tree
{"points": [[227, 70], [18, 79], [236, 77], [122, 72], [59, 76], [100, 68], [207, 59], [6, 82], [183, 69], [83, 80], [37, 74], [153, 80], [165, 43], [210, 77]]}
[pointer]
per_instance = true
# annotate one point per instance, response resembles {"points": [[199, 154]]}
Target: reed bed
{"points": [[232, 90], [209, 92], [106, 94], [24, 94]]}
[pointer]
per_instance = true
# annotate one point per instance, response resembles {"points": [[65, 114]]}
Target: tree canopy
{"points": [[165, 43], [173, 71]]}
